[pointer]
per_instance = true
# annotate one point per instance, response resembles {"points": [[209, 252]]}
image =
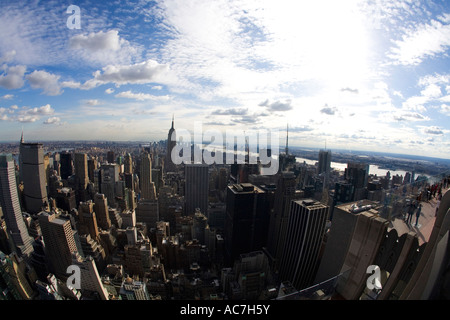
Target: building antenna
{"points": [[287, 138]]}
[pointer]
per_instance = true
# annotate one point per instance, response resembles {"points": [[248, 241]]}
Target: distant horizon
{"points": [[281, 148]]}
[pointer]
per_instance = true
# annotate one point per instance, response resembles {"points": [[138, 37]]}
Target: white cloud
{"points": [[140, 73], [234, 49], [434, 79], [52, 120], [104, 47], [421, 42], [97, 41], [432, 91], [92, 102], [140, 96], [398, 94], [433, 130], [328, 110], [445, 109], [415, 103], [8, 56], [46, 81], [277, 105], [37, 111], [231, 112], [7, 96], [109, 90], [409, 116], [12, 77]]}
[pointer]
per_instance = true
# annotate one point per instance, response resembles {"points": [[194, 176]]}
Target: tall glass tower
{"points": [[12, 211]]}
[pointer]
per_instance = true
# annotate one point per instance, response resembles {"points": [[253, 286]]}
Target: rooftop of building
{"points": [[425, 223], [245, 188], [356, 207], [310, 203]]}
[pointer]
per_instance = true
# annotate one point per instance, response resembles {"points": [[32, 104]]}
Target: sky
{"points": [[353, 75]]}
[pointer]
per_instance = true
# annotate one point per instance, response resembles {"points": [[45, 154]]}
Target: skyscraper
{"points": [[9, 201], [324, 161], [306, 229], [246, 221], [148, 190], [90, 280], [59, 242], [357, 175], [110, 157], [284, 194], [33, 176], [196, 187], [109, 174], [101, 211], [147, 211], [171, 142], [81, 173], [66, 168], [128, 164], [92, 166]]}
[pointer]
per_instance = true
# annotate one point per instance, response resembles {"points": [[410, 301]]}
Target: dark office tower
{"points": [[56, 164], [33, 176], [101, 211], [147, 187], [66, 165], [343, 192], [59, 243], [92, 166], [223, 179], [109, 174], [81, 174], [171, 142], [246, 221], [38, 259], [147, 211], [110, 157], [128, 164], [199, 226], [357, 175], [324, 161], [129, 181], [284, 194], [88, 221], [196, 188], [11, 207], [306, 229]]}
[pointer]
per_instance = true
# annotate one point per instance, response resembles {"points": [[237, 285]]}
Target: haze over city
{"points": [[355, 75]]}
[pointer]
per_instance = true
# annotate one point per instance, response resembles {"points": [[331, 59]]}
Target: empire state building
{"points": [[171, 142]]}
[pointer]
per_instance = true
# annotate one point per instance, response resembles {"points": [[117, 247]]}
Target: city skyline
{"points": [[354, 75]]}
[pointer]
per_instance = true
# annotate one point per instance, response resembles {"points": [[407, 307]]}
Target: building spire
{"points": [[287, 138], [172, 120], [21, 137]]}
